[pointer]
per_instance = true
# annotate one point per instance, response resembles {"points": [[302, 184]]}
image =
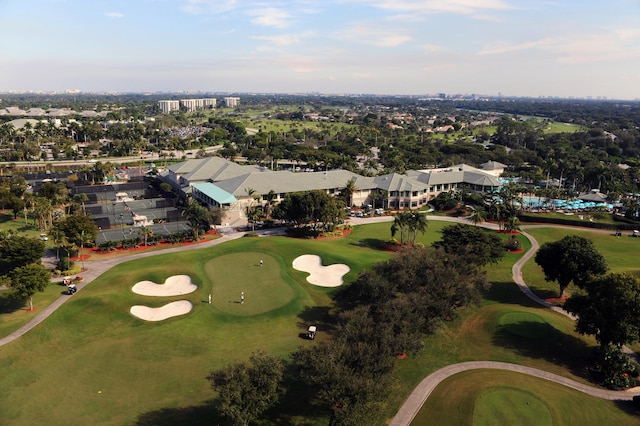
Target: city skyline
{"points": [[526, 48]]}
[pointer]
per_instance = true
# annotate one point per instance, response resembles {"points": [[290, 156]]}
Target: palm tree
{"points": [[198, 216], [419, 223], [478, 215], [253, 214], [145, 232], [81, 198], [401, 222], [349, 189], [271, 201]]}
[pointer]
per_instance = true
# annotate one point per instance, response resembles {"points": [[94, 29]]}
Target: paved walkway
{"points": [[412, 405], [414, 402], [95, 268]]}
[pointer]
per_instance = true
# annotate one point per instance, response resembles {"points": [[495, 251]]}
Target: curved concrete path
{"points": [[414, 402], [420, 394], [95, 268]]}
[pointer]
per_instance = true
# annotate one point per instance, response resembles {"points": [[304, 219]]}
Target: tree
{"points": [[17, 251], [79, 230], [349, 189], [315, 207], [198, 216], [417, 223], [26, 280], [610, 309], [571, 259], [477, 216], [81, 199], [246, 391], [145, 232], [351, 379], [477, 245], [253, 214]]}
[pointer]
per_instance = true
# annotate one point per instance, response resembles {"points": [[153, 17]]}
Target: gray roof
{"points": [[286, 182], [398, 182], [236, 179], [493, 165], [210, 169]]}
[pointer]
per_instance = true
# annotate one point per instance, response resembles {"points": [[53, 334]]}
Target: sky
{"points": [[555, 48]]}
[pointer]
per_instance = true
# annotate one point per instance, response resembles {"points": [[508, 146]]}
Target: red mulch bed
{"points": [[401, 356], [515, 251], [556, 299], [142, 247]]}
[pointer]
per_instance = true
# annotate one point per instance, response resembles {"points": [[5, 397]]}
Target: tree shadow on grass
{"points": [[9, 304], [183, 416], [299, 404], [629, 407], [508, 292], [539, 340], [373, 243], [320, 316]]}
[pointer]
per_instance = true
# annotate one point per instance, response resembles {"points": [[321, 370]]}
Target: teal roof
{"points": [[215, 193]]}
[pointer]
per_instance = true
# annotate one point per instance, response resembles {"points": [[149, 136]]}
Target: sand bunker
{"points": [[169, 310], [175, 285], [324, 276]]}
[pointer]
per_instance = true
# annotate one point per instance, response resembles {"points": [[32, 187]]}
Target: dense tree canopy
{"points": [[79, 230], [315, 207], [26, 280], [571, 259], [17, 251], [477, 245], [610, 309], [246, 391]]}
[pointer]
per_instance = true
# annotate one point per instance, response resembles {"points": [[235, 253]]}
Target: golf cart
{"points": [[71, 289], [311, 333]]}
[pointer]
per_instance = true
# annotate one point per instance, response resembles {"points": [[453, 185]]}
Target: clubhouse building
{"points": [[217, 182]]}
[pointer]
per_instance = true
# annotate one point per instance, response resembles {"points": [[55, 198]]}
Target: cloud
{"points": [[615, 44], [280, 40], [270, 17], [197, 7], [374, 35], [116, 15], [464, 7]]}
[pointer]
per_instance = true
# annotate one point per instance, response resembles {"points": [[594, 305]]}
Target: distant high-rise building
{"points": [[231, 102], [187, 104], [168, 106]]}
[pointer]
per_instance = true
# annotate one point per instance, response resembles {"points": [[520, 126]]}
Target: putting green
{"points": [[264, 287], [510, 406], [524, 324]]}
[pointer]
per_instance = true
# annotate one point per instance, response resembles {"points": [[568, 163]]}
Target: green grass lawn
{"points": [[93, 362], [494, 397], [621, 254]]}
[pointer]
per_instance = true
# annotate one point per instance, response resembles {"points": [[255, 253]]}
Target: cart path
{"points": [[95, 268], [417, 398], [414, 402]]}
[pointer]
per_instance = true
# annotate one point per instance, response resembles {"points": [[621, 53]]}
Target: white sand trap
{"points": [[324, 276], [169, 310], [175, 285]]}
